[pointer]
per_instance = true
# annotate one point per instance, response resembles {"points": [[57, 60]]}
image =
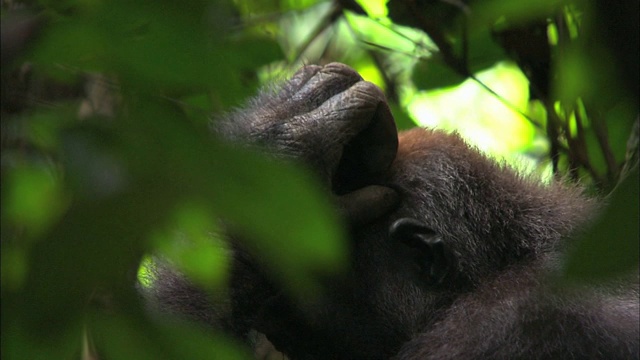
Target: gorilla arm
{"points": [[325, 118]]}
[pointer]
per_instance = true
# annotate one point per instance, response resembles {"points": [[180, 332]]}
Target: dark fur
{"points": [[506, 235]]}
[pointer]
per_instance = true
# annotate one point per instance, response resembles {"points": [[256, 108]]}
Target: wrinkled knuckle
{"points": [[367, 93], [308, 71], [341, 70]]}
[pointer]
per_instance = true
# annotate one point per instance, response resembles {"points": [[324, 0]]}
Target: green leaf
{"points": [[19, 342], [33, 198], [127, 337], [484, 52], [278, 210], [429, 75], [610, 248], [193, 243]]}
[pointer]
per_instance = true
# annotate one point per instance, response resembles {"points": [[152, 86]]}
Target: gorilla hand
{"points": [[331, 120]]}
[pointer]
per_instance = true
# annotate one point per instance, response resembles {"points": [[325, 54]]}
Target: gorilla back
{"points": [[450, 255]]}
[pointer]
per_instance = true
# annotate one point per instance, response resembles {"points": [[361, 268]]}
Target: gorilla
{"points": [[452, 255]]}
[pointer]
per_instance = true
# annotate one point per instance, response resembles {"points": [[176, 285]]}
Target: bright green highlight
{"points": [[33, 198], [481, 117], [191, 243], [374, 8], [144, 274]]}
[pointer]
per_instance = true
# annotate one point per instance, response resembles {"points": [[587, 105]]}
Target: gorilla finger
{"points": [[367, 204], [345, 114], [376, 146], [332, 79], [363, 141], [297, 81], [368, 155]]}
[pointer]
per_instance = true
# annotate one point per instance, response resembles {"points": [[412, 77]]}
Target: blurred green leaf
{"points": [[192, 242], [484, 52], [121, 337], [166, 161], [610, 249], [74, 42], [251, 192], [22, 344], [428, 75], [33, 198], [181, 47], [14, 265], [374, 8], [619, 120]]}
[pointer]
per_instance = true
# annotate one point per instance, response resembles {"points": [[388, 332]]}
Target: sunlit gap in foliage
{"points": [[484, 119]]}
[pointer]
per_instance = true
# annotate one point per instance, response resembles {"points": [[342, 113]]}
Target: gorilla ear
{"points": [[433, 256]]}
